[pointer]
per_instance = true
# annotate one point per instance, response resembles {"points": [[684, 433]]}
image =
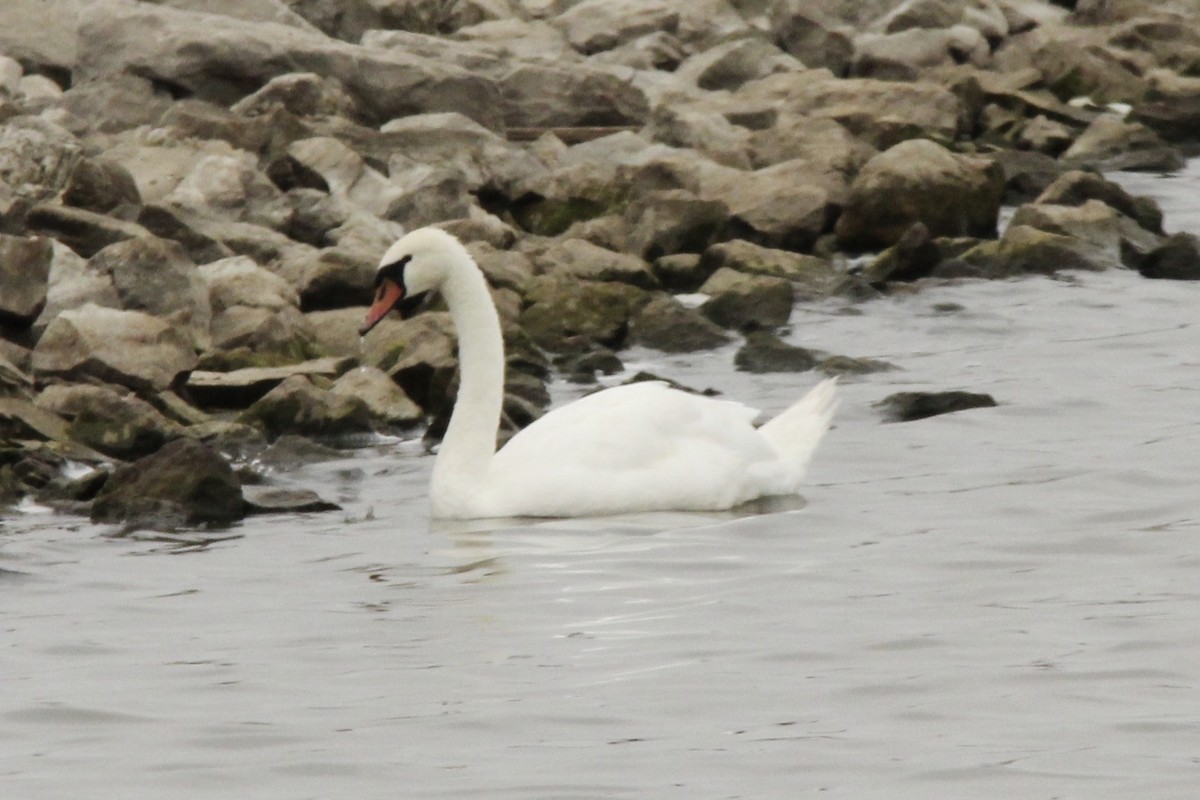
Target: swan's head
{"points": [[420, 262]]}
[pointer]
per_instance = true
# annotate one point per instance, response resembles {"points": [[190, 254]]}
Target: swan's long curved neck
{"points": [[470, 440]]}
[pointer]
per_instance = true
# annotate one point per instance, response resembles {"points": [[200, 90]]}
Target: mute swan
{"points": [[639, 447]]}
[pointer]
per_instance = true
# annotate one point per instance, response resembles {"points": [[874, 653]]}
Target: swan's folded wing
{"points": [[637, 447]]}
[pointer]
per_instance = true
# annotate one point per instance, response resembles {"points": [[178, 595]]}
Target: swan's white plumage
{"points": [[641, 447]]}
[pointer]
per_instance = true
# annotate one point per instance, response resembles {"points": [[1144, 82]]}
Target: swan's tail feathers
{"points": [[797, 431]]}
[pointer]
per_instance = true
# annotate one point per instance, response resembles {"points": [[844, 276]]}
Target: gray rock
{"points": [[85, 232], [674, 221], [741, 301], [278, 500], [1095, 223], [1111, 143], [910, 406], [542, 95], [128, 348], [913, 257], [560, 308], [666, 324], [765, 352], [1077, 187], [37, 157], [241, 388], [119, 425], [24, 278], [920, 181], [184, 483], [1024, 250], [171, 224], [728, 65], [101, 185], [156, 276], [299, 406], [811, 276], [811, 36], [387, 402], [587, 261]]}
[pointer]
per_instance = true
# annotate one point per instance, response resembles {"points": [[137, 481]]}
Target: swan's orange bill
{"points": [[389, 294]]}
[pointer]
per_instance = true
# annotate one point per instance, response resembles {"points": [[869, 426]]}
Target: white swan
{"points": [[639, 447]]}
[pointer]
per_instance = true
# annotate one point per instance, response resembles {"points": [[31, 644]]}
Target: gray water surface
{"points": [[992, 604]]}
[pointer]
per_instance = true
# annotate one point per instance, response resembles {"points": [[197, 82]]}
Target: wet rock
{"points": [[299, 406], [1177, 258], [910, 406], [920, 181], [741, 301], [21, 419], [24, 276], [241, 388], [849, 365], [1095, 223], [915, 256], [1026, 250], [1026, 173], [119, 425], [811, 276], [184, 483], [666, 324], [559, 308], [1077, 187], [583, 367], [127, 348], [277, 500], [387, 402], [765, 352], [681, 272]]}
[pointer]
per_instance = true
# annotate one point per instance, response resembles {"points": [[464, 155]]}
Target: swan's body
{"points": [[640, 447]]}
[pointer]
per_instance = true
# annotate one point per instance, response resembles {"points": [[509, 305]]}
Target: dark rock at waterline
{"points": [[275, 500], [1177, 258], [119, 425], [583, 367], [765, 352], [909, 406], [184, 483], [920, 181], [666, 324], [1076, 187], [914, 256], [747, 302]]}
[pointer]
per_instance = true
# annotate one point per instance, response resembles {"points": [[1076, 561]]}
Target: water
{"points": [[997, 603]]}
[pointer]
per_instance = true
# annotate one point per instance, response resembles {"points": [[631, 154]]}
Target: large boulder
{"points": [[746, 302], [561, 309], [921, 181], [1177, 258], [812, 276], [128, 348], [548, 95], [666, 324], [156, 276], [184, 483]]}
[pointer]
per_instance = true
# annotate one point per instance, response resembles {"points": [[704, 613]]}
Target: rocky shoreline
{"points": [[194, 195]]}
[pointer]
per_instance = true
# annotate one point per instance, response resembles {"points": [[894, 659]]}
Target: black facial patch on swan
{"points": [[393, 272]]}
